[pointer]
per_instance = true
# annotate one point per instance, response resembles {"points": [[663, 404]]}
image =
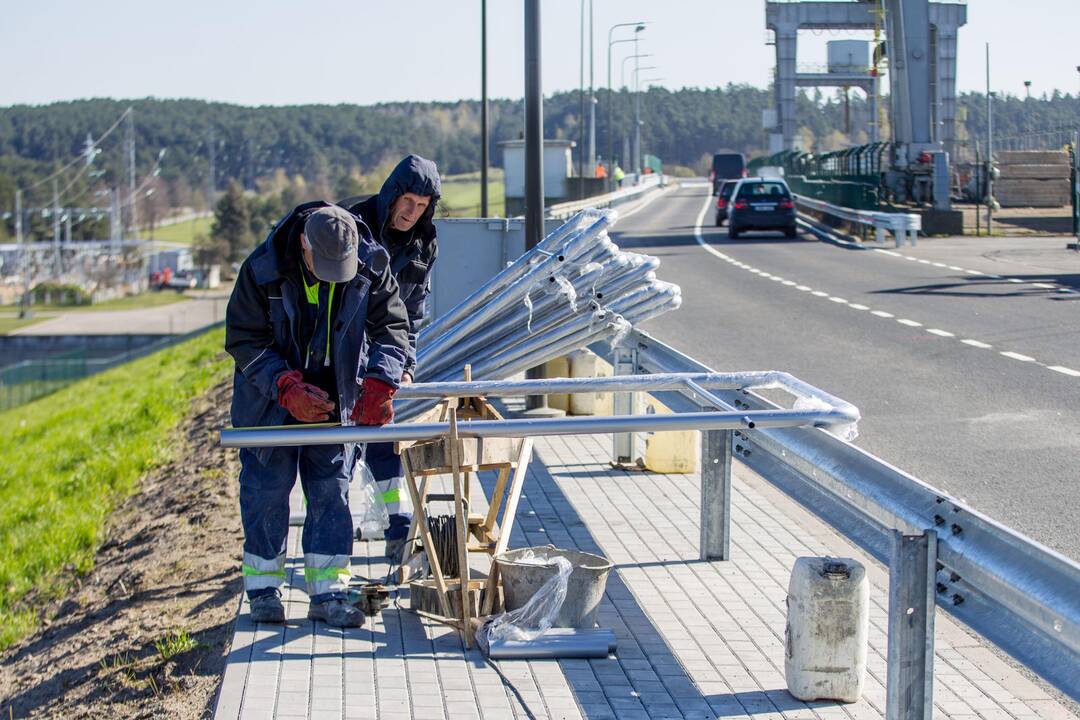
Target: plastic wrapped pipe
{"points": [[547, 305], [525, 342], [513, 293], [556, 643], [517, 268], [482, 306]]}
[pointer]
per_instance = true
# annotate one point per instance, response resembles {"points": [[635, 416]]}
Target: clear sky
{"points": [[367, 51]]}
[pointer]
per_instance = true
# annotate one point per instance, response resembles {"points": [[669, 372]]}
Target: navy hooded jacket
{"points": [[262, 320], [412, 257]]}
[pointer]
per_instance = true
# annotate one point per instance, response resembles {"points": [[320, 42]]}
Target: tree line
{"points": [[338, 149]]}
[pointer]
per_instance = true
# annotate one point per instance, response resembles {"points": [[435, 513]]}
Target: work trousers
{"points": [[325, 471], [385, 467]]}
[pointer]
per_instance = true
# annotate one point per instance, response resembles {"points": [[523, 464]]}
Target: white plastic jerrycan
{"points": [[828, 608]]}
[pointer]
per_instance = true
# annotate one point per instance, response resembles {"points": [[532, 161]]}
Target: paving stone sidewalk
{"points": [[695, 639]]}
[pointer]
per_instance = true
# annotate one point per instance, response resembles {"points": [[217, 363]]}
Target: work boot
{"points": [[336, 613], [267, 609]]}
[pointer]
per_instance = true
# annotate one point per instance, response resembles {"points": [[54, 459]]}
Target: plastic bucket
{"points": [[584, 590]]}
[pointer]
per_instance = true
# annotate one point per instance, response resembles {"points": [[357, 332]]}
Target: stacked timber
{"points": [[1032, 178]]}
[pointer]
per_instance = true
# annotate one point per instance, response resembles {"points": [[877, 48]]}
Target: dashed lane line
{"points": [[1018, 356], [879, 313], [977, 273]]}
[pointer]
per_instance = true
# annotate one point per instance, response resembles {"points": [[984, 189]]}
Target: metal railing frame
{"points": [[901, 225], [1018, 594], [1013, 591]]}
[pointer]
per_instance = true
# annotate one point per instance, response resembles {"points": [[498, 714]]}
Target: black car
{"points": [[722, 201], [761, 204], [726, 166]]}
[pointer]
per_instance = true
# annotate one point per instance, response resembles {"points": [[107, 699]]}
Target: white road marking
{"points": [[924, 262], [912, 259], [1046, 286], [881, 313]]}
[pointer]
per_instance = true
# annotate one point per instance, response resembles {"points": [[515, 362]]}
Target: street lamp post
{"points": [[638, 27], [989, 150], [637, 116]]}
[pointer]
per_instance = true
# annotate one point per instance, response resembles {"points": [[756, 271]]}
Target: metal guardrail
{"points": [[1020, 595], [612, 199], [901, 225]]}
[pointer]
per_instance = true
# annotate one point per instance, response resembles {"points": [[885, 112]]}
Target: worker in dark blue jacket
{"points": [[318, 334], [400, 217]]}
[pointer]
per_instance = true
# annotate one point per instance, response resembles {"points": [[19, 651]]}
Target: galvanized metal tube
{"points": [[517, 290], [297, 435], [516, 269]]}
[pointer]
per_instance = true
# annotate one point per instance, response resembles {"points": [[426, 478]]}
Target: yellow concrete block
{"points": [[558, 368], [585, 363], [671, 452]]}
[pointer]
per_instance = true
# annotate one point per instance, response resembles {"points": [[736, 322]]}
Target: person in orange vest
{"points": [[601, 171]]}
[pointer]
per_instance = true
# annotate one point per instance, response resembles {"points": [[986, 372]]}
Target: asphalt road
{"points": [[962, 354]]}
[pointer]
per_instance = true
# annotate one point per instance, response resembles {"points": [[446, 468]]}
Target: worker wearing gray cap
{"points": [[318, 334]]}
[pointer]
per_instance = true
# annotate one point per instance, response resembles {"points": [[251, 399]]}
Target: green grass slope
{"points": [[69, 458]]}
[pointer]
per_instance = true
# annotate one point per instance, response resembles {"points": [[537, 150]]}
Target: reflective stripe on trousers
{"points": [[326, 573], [261, 573]]}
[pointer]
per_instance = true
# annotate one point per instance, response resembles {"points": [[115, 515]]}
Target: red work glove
{"points": [[375, 406], [304, 401]]}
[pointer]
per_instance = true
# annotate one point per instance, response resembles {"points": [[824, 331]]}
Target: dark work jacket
{"points": [[262, 330], [412, 254]]}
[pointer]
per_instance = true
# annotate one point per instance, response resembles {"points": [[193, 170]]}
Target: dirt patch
{"points": [[146, 632], [1020, 221]]}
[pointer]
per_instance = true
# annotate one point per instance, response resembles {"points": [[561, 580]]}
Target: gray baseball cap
{"points": [[332, 234]]}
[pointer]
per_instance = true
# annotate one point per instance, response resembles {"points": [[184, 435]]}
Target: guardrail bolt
{"points": [[938, 520], [942, 588], [956, 529], [939, 500], [956, 599], [738, 448], [746, 452], [953, 577], [938, 567]]}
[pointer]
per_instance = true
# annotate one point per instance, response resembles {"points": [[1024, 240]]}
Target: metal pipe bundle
{"points": [[573, 289]]}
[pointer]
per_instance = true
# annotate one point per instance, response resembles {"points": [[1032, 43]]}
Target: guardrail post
{"points": [[880, 233], [912, 587], [625, 449], [912, 236], [715, 542]]}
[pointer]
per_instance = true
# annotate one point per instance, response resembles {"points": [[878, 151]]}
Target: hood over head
{"points": [[416, 175]]}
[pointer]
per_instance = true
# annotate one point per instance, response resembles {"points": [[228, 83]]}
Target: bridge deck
{"points": [[696, 639]]}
